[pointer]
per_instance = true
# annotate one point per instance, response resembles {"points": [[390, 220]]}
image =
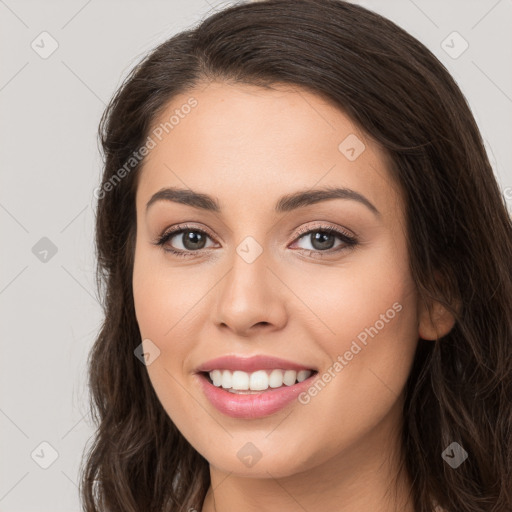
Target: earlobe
{"points": [[436, 324], [434, 319]]}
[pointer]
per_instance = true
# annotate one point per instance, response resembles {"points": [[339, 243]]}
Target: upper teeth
{"points": [[258, 380]]}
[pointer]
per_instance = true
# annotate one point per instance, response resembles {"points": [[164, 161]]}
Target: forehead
{"points": [[248, 145]]}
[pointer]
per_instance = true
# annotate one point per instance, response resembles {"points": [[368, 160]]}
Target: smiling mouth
{"points": [[254, 395], [247, 383]]}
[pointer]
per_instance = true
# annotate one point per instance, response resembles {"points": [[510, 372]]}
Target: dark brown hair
{"points": [[459, 240]]}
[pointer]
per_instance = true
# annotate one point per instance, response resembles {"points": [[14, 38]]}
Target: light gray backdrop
{"points": [[60, 63]]}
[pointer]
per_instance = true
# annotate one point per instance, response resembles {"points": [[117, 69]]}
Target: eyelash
{"points": [[348, 240]]}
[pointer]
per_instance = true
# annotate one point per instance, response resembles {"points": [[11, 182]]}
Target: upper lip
{"points": [[249, 364]]}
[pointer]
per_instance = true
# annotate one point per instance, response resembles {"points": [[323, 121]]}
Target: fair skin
{"points": [[247, 146]]}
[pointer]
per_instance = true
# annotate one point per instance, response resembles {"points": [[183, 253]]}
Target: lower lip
{"points": [[252, 406]]}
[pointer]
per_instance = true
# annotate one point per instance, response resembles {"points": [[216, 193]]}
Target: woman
{"points": [[306, 260]]}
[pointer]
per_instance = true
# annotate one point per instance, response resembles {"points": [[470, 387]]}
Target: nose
{"points": [[251, 298]]}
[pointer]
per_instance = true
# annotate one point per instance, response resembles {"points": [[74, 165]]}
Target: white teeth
{"points": [[276, 379], [216, 377], [240, 380], [259, 380], [303, 375], [226, 379], [290, 376]]}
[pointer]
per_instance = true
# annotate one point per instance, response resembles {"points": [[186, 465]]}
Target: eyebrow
{"points": [[285, 203]]}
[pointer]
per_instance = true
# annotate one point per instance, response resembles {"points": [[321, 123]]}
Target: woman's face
{"points": [[251, 283]]}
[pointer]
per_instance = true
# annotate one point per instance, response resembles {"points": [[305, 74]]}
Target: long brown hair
{"points": [[459, 240]]}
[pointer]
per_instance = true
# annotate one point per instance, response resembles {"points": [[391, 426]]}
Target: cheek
{"points": [[370, 295], [165, 297], [162, 307], [369, 332], [167, 303]]}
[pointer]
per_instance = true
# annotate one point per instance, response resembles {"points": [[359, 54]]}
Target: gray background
{"points": [[50, 165]]}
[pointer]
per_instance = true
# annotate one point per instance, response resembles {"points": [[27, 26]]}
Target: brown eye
{"points": [[191, 240], [323, 240], [320, 240]]}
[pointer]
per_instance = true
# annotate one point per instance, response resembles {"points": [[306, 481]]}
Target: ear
{"points": [[434, 320], [436, 325]]}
